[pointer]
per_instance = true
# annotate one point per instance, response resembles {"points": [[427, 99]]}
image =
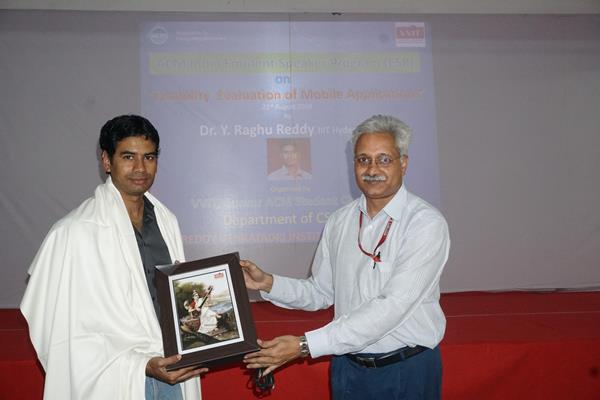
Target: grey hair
{"points": [[385, 123]]}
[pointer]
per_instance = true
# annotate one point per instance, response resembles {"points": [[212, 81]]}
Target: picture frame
{"points": [[205, 313]]}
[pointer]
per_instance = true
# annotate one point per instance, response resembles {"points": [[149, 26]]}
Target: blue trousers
{"points": [[158, 390], [417, 378]]}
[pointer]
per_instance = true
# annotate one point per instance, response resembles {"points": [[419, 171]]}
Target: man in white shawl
{"points": [[90, 301]]}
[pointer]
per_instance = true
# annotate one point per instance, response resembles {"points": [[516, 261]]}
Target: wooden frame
{"points": [[205, 312]]}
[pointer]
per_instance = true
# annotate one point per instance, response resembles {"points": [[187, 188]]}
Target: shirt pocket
{"points": [[380, 275]]}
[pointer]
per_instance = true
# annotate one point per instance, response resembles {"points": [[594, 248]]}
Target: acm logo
{"points": [[158, 35]]}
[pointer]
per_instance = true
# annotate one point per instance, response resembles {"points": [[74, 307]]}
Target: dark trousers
{"points": [[417, 378]]}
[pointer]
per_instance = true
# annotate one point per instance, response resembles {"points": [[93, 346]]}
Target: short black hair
{"points": [[125, 126]]}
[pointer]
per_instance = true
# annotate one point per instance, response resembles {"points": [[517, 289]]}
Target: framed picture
{"points": [[204, 311]]}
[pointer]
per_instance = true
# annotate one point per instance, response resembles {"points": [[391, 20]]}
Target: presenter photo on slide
{"points": [[291, 155]]}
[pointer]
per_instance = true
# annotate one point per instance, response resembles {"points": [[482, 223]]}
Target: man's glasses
{"points": [[382, 160]]}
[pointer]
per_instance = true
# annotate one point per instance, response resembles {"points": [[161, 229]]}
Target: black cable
{"points": [[263, 384]]}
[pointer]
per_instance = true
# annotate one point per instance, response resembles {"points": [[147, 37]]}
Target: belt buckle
{"points": [[368, 362]]}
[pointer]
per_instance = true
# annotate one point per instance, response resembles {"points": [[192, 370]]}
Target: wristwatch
{"points": [[304, 350]]}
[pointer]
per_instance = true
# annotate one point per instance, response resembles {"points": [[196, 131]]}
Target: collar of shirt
{"points": [[299, 173], [392, 209], [148, 210]]}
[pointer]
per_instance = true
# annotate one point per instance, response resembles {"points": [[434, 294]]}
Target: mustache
{"points": [[373, 178], [139, 175]]}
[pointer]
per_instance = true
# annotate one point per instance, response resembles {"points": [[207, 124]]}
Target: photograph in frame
{"points": [[205, 312]]}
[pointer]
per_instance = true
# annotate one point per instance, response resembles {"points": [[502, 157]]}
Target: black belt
{"points": [[387, 358]]}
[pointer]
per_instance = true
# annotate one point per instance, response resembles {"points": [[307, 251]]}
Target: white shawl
{"points": [[90, 315]]}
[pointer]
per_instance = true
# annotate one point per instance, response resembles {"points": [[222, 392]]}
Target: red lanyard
{"points": [[376, 257]]}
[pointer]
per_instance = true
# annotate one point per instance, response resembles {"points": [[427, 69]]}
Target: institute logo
{"points": [[158, 35], [410, 34]]}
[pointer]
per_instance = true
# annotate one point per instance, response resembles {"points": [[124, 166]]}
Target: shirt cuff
{"points": [[278, 290], [318, 343], [269, 295]]}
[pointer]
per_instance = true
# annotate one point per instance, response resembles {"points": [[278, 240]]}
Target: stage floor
{"points": [[508, 345]]}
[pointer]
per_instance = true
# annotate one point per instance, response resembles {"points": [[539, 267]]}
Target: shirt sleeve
{"points": [[416, 272], [310, 294]]}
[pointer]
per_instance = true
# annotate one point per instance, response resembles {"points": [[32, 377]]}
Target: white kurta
{"points": [[90, 315]]}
